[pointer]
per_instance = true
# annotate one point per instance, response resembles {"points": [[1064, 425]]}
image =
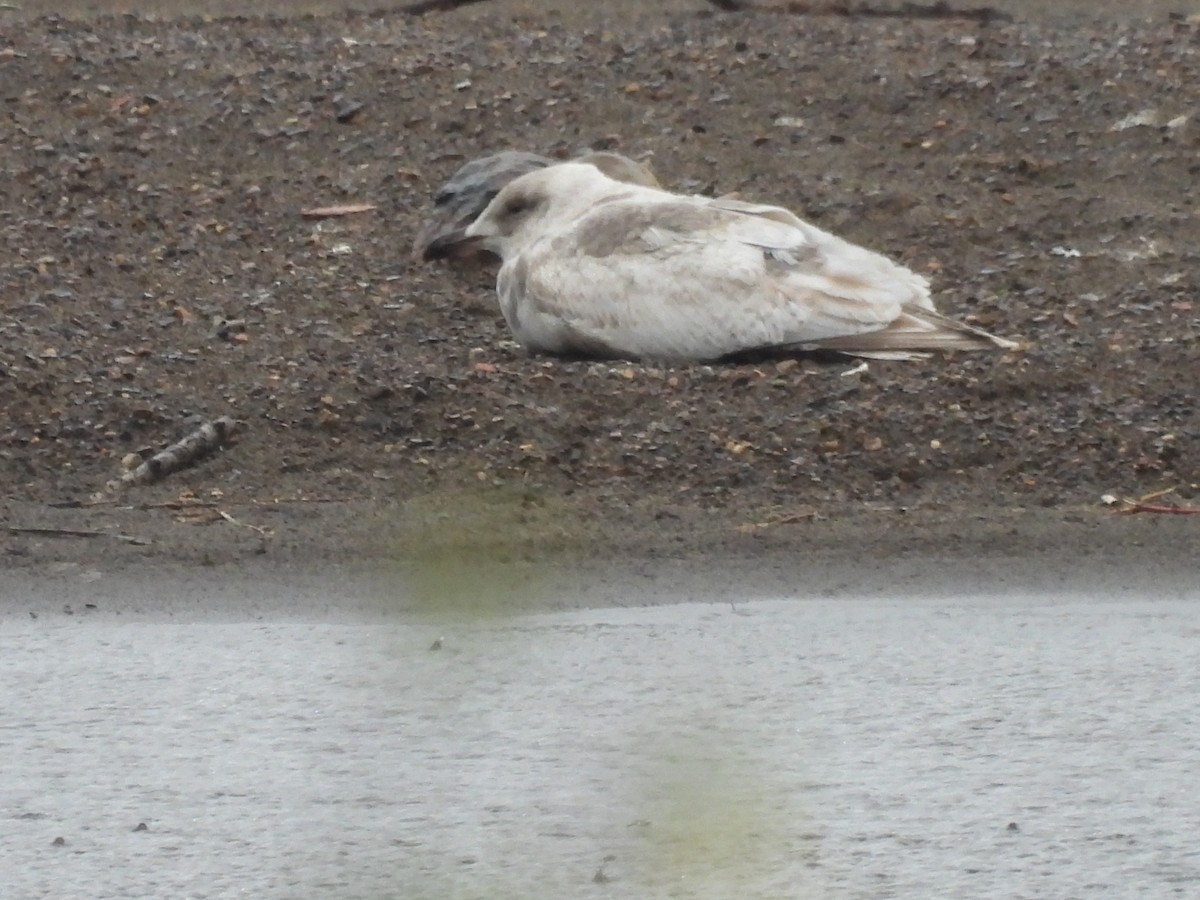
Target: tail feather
{"points": [[914, 334]]}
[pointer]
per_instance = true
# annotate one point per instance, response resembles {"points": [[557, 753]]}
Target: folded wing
{"points": [[669, 277]]}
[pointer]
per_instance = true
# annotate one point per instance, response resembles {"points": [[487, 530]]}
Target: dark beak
{"points": [[443, 237], [455, 245]]}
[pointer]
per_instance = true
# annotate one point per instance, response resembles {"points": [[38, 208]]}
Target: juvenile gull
{"points": [[458, 202], [605, 268]]}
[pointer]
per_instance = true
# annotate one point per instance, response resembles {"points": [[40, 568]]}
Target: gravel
{"points": [[156, 270]]}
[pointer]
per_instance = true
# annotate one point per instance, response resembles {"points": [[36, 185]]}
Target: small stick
{"points": [[262, 531], [343, 209], [937, 10], [792, 518], [1136, 506], [178, 504], [1154, 495], [78, 532], [428, 6], [1142, 505], [80, 504], [264, 534]]}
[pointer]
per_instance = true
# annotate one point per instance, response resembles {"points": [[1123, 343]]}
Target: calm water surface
{"points": [[831, 749]]}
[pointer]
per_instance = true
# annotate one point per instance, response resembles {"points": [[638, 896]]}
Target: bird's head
{"points": [[461, 199], [474, 188], [529, 207]]}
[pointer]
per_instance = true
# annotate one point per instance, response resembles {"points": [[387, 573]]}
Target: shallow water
{"points": [[780, 749]]}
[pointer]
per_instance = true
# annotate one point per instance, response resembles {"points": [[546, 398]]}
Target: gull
{"points": [[598, 267], [460, 200]]}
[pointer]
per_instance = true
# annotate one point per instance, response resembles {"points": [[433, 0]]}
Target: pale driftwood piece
{"points": [[204, 440]]}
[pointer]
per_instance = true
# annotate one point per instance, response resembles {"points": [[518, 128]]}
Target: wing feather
{"points": [[664, 276]]}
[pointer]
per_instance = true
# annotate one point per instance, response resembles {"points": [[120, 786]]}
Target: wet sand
{"points": [[354, 563]]}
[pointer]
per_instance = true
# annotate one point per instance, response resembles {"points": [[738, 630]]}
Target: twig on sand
{"points": [[190, 503], [1128, 506], [79, 533], [938, 10], [204, 440], [791, 518], [1137, 506], [263, 531], [182, 503], [341, 209], [1160, 508], [427, 6], [99, 500], [264, 534], [207, 513]]}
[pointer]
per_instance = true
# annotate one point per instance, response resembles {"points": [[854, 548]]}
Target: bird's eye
{"points": [[519, 205]]}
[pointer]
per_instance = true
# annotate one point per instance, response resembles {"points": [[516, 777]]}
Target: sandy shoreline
{"points": [[346, 562]]}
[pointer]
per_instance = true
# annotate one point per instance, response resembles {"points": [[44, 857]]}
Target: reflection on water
{"points": [[785, 749]]}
